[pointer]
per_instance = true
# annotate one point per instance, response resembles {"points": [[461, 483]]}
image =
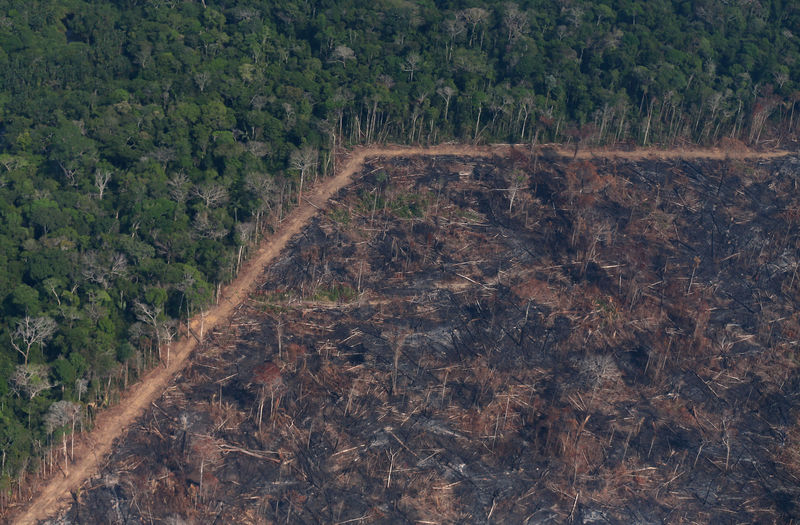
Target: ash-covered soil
{"points": [[512, 340]]}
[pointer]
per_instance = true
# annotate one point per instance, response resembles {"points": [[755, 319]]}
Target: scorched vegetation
{"points": [[528, 339]]}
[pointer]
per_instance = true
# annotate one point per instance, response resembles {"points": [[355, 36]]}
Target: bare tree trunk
{"points": [[477, 123], [72, 439], [262, 398], [394, 369], [300, 188], [649, 118], [202, 466]]}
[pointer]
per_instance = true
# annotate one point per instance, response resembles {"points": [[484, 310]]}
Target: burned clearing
{"points": [[497, 340]]}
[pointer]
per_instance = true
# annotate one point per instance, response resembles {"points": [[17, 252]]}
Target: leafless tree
{"points": [[474, 16], [416, 113], [781, 77], [32, 331], [97, 269], [31, 380], [257, 148], [289, 118], [575, 14], [163, 155], [169, 330], [517, 180], [178, 185], [206, 227], [212, 194], [207, 449], [151, 316], [245, 231], [119, 265], [763, 109], [201, 79], [515, 21], [526, 107], [446, 92], [263, 186], [452, 27], [93, 270], [185, 286], [267, 378], [62, 413], [101, 180], [81, 385], [411, 64], [342, 54], [303, 160]]}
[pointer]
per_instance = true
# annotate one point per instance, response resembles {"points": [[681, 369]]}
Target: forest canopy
{"points": [[145, 145]]}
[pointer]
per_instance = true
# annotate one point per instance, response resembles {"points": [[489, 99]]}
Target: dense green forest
{"points": [[146, 144]]}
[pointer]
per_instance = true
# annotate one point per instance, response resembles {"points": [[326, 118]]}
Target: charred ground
{"points": [[512, 340]]}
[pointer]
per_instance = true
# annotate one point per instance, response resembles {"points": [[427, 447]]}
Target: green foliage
{"points": [[409, 205], [340, 215], [336, 293], [131, 132]]}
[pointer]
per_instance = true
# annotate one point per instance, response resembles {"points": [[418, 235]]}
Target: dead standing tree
{"points": [[162, 330], [303, 160], [263, 186], [60, 414], [342, 54], [411, 65], [30, 380], [101, 180], [279, 323], [32, 331], [474, 16], [267, 378], [213, 195], [397, 338], [515, 22], [446, 92], [208, 450], [517, 180], [178, 187]]}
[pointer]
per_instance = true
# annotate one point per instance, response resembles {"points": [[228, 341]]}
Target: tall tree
{"points": [[32, 331], [304, 161]]}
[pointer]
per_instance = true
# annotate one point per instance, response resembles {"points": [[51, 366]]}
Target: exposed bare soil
{"points": [[445, 361]]}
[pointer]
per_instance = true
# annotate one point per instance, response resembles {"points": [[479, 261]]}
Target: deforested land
{"points": [[156, 157], [513, 339]]}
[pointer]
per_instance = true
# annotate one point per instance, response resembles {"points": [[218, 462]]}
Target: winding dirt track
{"points": [[114, 422]]}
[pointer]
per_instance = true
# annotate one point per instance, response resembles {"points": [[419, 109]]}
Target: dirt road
{"points": [[113, 422]]}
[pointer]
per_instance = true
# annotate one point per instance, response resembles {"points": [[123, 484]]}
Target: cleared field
{"points": [[507, 339]]}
